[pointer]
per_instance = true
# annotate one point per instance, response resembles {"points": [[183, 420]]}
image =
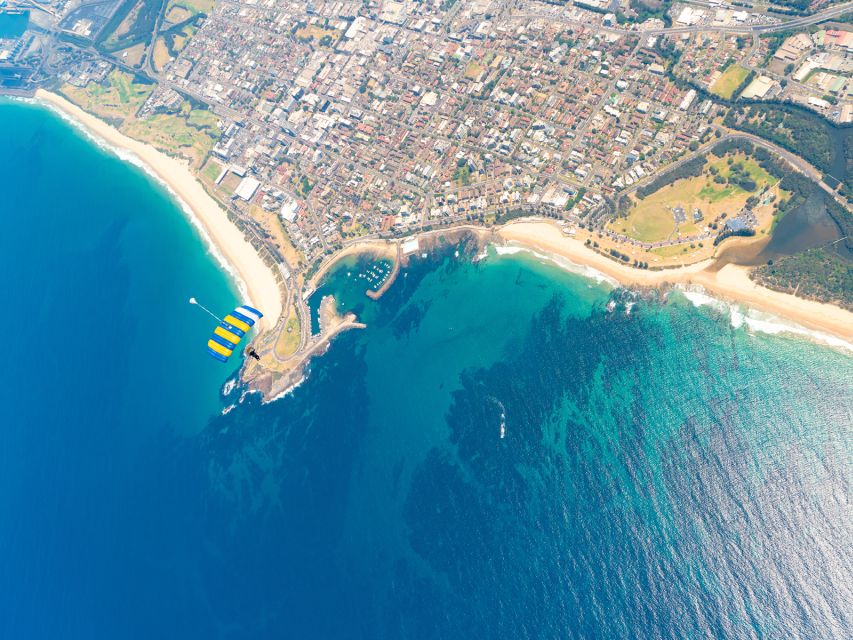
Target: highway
{"points": [[829, 13]]}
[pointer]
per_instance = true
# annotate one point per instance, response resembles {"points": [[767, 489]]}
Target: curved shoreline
{"points": [[729, 283], [257, 282], [254, 279]]}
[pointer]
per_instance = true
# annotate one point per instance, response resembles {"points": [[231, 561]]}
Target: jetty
{"points": [[375, 295]]}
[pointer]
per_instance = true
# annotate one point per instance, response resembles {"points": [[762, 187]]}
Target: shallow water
{"points": [[662, 474]]}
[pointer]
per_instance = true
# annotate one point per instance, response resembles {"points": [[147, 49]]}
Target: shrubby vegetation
{"points": [[139, 31], [689, 169], [790, 127], [791, 180], [743, 85], [818, 274], [741, 177], [728, 233], [844, 219], [795, 183], [646, 9], [791, 6]]}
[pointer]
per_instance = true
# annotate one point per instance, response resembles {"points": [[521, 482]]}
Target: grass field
{"points": [[675, 250], [731, 79], [177, 13], [191, 6], [289, 339], [229, 183], [462, 176], [652, 220], [118, 100], [180, 40], [125, 26], [191, 133], [353, 230], [316, 33], [161, 54], [132, 56], [211, 170], [474, 70]]}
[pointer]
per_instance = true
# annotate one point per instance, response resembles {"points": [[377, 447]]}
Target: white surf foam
{"points": [[758, 321], [132, 158], [229, 386], [563, 263], [287, 391]]}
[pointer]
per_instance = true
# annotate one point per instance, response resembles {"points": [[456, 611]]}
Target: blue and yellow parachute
{"points": [[231, 330]]}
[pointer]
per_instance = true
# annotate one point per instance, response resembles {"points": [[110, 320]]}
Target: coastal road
{"points": [[801, 165], [829, 13], [802, 21], [148, 60]]}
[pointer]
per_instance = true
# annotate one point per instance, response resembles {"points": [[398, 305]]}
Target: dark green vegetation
{"points": [[184, 30], [740, 177], [689, 169], [774, 41], [819, 274], [798, 185], [791, 7], [743, 85], [844, 219], [146, 12], [695, 167], [571, 202], [746, 233], [795, 129], [462, 174], [647, 9]]}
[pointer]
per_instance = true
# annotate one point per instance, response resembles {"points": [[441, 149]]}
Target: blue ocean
{"points": [[508, 450]]}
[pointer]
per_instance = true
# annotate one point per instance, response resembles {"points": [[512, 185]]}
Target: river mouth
{"points": [[806, 227]]}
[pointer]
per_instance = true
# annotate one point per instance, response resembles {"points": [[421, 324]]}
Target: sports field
{"points": [[731, 79], [652, 219]]}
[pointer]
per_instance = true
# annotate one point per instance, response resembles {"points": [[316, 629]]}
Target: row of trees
{"points": [[798, 185], [792, 128], [728, 233], [689, 169]]}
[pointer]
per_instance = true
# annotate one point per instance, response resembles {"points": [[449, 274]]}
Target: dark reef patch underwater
{"points": [[662, 474]]}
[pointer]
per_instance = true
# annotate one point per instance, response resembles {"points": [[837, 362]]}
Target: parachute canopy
{"points": [[231, 330]]}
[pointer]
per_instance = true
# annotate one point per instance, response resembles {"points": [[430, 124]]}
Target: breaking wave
{"points": [[757, 321]]}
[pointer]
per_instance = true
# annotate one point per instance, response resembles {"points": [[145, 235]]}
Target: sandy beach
{"points": [[253, 277], [379, 248], [731, 283]]}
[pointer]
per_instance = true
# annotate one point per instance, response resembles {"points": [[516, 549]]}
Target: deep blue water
{"points": [[663, 475]]}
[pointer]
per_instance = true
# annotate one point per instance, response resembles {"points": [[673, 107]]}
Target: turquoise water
{"points": [[662, 474]]}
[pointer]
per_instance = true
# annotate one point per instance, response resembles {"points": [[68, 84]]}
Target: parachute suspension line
{"points": [[198, 304]]}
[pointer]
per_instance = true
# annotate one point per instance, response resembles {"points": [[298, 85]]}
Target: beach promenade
{"points": [[260, 287], [254, 279]]}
